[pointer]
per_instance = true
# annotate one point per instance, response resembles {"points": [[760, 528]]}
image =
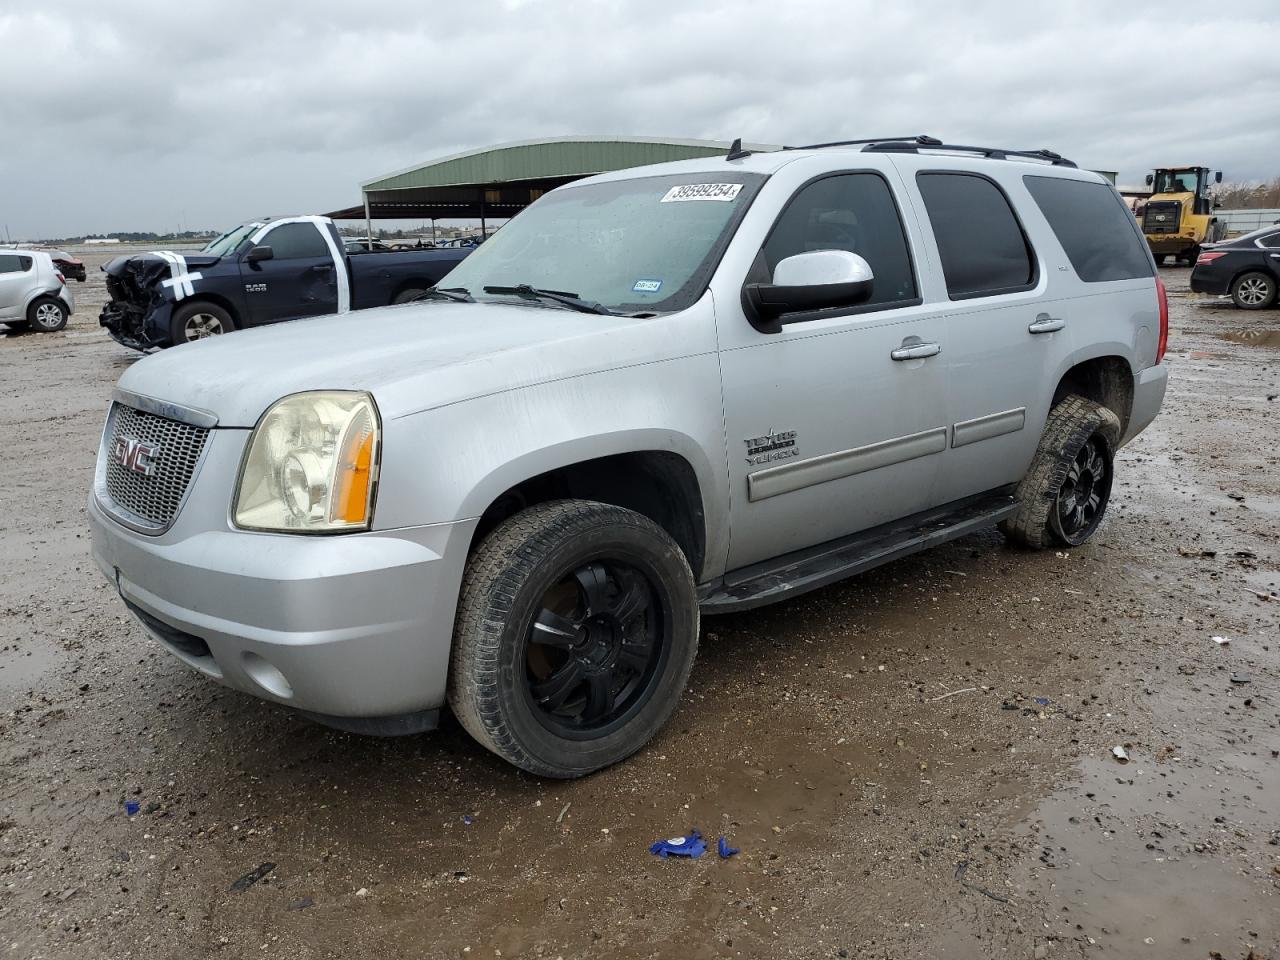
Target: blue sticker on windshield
{"points": [[647, 286]]}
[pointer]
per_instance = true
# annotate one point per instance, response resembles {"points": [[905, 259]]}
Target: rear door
{"points": [[300, 280], [16, 279], [1005, 335]]}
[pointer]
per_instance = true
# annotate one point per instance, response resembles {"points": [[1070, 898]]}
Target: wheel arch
{"points": [[659, 484], [217, 299], [1105, 378]]}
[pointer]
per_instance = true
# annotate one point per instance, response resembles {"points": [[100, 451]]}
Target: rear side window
{"points": [[1095, 228], [854, 212], [983, 249], [1272, 241], [12, 263], [296, 241]]}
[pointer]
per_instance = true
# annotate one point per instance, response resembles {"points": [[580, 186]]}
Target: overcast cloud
{"points": [[120, 117]]}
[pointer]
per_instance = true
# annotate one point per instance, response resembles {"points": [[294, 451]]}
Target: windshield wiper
{"points": [[457, 294], [571, 300]]}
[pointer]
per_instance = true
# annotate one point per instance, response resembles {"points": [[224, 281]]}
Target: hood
{"points": [[411, 357], [149, 267]]}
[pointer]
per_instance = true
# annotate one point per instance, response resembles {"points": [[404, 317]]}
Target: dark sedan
{"points": [[1247, 268], [70, 267]]}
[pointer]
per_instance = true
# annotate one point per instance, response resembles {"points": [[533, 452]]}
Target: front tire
{"points": [[199, 321], [1253, 291], [47, 315], [576, 632], [1065, 493]]}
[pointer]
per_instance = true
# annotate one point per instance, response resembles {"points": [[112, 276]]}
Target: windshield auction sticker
{"points": [[702, 191]]}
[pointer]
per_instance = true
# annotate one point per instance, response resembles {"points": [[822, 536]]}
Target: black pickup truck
{"points": [[259, 272]]}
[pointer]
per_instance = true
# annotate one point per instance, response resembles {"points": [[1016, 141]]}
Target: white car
{"points": [[33, 294]]}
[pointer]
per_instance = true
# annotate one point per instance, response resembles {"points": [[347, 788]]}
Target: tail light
{"points": [[1208, 257], [1162, 297], [61, 279]]}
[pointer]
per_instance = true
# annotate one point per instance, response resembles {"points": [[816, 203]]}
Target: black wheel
{"points": [[1189, 257], [1253, 291], [577, 628], [404, 296], [1066, 490], [1161, 258], [198, 321], [47, 315]]}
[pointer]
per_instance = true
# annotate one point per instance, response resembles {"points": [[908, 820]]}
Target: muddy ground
{"points": [[915, 764]]}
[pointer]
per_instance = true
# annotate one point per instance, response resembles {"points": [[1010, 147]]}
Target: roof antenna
{"points": [[736, 152]]}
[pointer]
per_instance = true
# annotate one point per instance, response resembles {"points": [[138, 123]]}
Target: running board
{"points": [[815, 567]]}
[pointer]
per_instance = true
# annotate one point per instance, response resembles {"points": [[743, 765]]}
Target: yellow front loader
{"points": [[1178, 218]]}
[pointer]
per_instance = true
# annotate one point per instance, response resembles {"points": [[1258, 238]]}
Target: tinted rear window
{"points": [[982, 246], [1095, 228]]}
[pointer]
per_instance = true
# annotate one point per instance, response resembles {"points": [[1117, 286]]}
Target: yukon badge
{"points": [[772, 446], [134, 455]]}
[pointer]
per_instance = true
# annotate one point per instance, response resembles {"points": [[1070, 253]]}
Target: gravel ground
{"points": [[917, 763]]}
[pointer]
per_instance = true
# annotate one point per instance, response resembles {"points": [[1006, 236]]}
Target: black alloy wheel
{"points": [[1085, 491], [594, 649]]}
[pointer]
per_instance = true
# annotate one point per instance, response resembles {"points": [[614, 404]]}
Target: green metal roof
{"points": [[500, 181], [541, 159]]}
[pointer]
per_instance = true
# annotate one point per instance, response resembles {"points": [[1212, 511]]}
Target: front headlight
{"points": [[312, 465]]}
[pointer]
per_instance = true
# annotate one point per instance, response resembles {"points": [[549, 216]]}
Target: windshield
{"points": [[1176, 181], [647, 244], [228, 242]]}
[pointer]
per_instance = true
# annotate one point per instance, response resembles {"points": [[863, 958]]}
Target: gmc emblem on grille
{"points": [[134, 455]]}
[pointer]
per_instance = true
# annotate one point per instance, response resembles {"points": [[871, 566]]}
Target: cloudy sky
{"points": [[147, 117]]}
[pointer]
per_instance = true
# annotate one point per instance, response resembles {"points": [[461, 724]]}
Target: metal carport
{"points": [[502, 180]]}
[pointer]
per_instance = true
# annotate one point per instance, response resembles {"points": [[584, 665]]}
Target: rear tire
{"points": [[47, 315], [405, 296], [576, 632], [1254, 290], [1065, 493], [199, 321]]}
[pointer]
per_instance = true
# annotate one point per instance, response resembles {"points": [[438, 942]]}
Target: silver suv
{"points": [[680, 389], [33, 294]]}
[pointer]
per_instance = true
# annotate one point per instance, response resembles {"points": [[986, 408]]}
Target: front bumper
{"points": [[137, 327], [1148, 394], [355, 629]]}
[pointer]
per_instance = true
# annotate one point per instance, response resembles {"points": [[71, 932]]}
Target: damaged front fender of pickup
{"points": [[137, 313]]}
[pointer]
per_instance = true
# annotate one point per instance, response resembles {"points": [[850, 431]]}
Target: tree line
{"points": [[1249, 195]]}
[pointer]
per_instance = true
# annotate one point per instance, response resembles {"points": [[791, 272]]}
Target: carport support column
{"points": [[483, 235], [368, 222]]}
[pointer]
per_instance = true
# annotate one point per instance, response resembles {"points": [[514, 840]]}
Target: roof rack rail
{"points": [[922, 140], [991, 153]]}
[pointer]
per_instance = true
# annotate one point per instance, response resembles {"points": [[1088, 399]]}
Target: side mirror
{"points": [[1217, 177], [816, 280], [1151, 178], [258, 254]]}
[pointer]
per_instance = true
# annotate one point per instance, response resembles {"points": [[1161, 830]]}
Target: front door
{"points": [[837, 423], [300, 280]]}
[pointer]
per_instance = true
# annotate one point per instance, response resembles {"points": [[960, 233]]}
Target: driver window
{"points": [[854, 212], [296, 241]]}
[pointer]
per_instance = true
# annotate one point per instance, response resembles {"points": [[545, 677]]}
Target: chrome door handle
{"points": [[915, 351], [1044, 323]]}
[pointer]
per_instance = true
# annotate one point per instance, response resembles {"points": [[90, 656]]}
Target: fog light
{"points": [[266, 676]]}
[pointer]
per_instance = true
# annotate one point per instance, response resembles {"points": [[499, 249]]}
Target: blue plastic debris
{"points": [[726, 851], [1043, 701], [467, 820], [690, 846], [131, 807]]}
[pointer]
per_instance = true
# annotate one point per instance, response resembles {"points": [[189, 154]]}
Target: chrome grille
{"points": [[153, 499]]}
